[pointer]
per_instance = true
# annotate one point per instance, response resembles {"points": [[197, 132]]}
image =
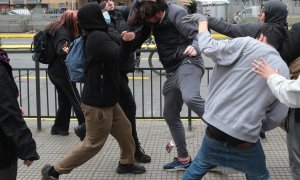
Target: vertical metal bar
{"points": [[28, 92], [143, 96], [151, 81], [47, 93], [38, 96], [189, 119]]}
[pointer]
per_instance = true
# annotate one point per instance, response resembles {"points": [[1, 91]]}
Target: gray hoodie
{"points": [[239, 102]]}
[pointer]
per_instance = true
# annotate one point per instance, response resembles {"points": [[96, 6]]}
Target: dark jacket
{"points": [[172, 37], [117, 26], [15, 138], [275, 12], [101, 86]]}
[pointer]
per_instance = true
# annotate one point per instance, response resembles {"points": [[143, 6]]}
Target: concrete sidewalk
{"points": [[153, 136]]}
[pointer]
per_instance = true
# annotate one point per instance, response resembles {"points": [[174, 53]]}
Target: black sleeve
{"points": [[12, 123], [61, 37], [233, 30]]}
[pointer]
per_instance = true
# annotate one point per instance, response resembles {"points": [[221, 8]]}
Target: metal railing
{"points": [[38, 96]]}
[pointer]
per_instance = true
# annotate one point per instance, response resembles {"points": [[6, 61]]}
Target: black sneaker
{"points": [[262, 135], [45, 173], [56, 131], [133, 168], [80, 131], [140, 155]]}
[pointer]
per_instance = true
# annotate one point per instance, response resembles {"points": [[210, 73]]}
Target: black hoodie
{"points": [[275, 12], [101, 86]]}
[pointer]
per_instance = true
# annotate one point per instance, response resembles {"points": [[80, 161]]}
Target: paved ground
{"points": [[154, 136]]}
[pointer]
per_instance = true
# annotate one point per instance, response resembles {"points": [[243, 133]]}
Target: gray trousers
{"points": [[182, 87], [293, 144]]}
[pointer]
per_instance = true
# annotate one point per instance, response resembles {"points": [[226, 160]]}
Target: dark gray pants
{"points": [[293, 144], [182, 87], [9, 173]]}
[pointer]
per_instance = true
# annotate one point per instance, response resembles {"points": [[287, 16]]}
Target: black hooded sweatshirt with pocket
{"points": [[102, 56]]}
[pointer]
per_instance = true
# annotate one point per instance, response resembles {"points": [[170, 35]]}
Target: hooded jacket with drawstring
{"points": [[101, 87]]}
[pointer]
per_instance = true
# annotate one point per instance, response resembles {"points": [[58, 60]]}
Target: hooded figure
{"points": [[100, 105], [275, 12], [272, 12]]}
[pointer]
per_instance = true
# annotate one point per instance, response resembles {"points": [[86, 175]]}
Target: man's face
{"points": [[110, 5], [261, 15], [156, 18]]}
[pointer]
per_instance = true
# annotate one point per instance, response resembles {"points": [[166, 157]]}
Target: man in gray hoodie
{"points": [[233, 112]]}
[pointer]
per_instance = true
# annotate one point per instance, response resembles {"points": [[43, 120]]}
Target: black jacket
{"points": [[101, 86], [15, 138], [117, 26]]}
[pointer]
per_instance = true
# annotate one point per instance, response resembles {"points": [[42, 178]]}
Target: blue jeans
{"points": [[215, 153]]}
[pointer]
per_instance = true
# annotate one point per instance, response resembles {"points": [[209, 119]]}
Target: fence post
{"points": [[38, 95], [189, 119]]}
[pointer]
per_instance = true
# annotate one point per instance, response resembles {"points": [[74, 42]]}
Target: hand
{"points": [[65, 48], [28, 162], [195, 18], [190, 51], [262, 68], [128, 36]]}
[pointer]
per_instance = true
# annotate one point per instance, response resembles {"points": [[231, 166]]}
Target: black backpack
{"points": [[42, 48]]}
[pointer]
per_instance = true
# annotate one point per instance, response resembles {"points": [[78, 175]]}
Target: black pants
{"points": [[128, 105], [9, 173], [68, 96]]}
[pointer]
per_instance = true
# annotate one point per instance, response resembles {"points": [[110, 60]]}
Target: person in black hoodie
{"points": [[63, 32], [15, 137], [102, 112], [117, 25]]}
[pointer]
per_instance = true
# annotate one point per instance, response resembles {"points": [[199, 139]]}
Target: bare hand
{"points": [[65, 48], [190, 51], [262, 68], [128, 36], [27, 162]]}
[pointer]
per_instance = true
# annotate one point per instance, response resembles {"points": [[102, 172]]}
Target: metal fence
{"points": [[38, 97]]}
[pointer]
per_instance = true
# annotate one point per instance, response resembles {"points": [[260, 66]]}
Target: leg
{"points": [[98, 126], [127, 103], [189, 79], [172, 107], [121, 131], [62, 119], [251, 161], [293, 144], [9, 173], [203, 161], [75, 101]]}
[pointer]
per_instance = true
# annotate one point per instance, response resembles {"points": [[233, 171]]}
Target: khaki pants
{"points": [[100, 122]]}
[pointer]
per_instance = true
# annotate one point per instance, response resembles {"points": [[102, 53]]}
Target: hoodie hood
{"points": [[275, 12], [90, 17]]}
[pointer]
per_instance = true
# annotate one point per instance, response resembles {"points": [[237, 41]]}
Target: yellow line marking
{"points": [[16, 35], [138, 119], [11, 46], [130, 77]]}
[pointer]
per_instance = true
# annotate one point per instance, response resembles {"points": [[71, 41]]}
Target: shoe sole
{"points": [[125, 172], [176, 169]]}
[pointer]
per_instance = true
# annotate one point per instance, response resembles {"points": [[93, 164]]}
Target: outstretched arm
{"points": [[285, 90]]}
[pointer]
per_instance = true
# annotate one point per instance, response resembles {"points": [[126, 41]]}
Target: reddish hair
{"points": [[69, 21]]}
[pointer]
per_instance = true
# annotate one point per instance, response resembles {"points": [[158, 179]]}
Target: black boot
{"points": [[80, 131], [140, 155], [133, 168]]}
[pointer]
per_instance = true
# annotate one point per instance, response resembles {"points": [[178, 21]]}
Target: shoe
{"points": [[262, 135], [176, 165], [45, 173], [133, 168], [80, 131], [55, 131], [140, 155]]}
